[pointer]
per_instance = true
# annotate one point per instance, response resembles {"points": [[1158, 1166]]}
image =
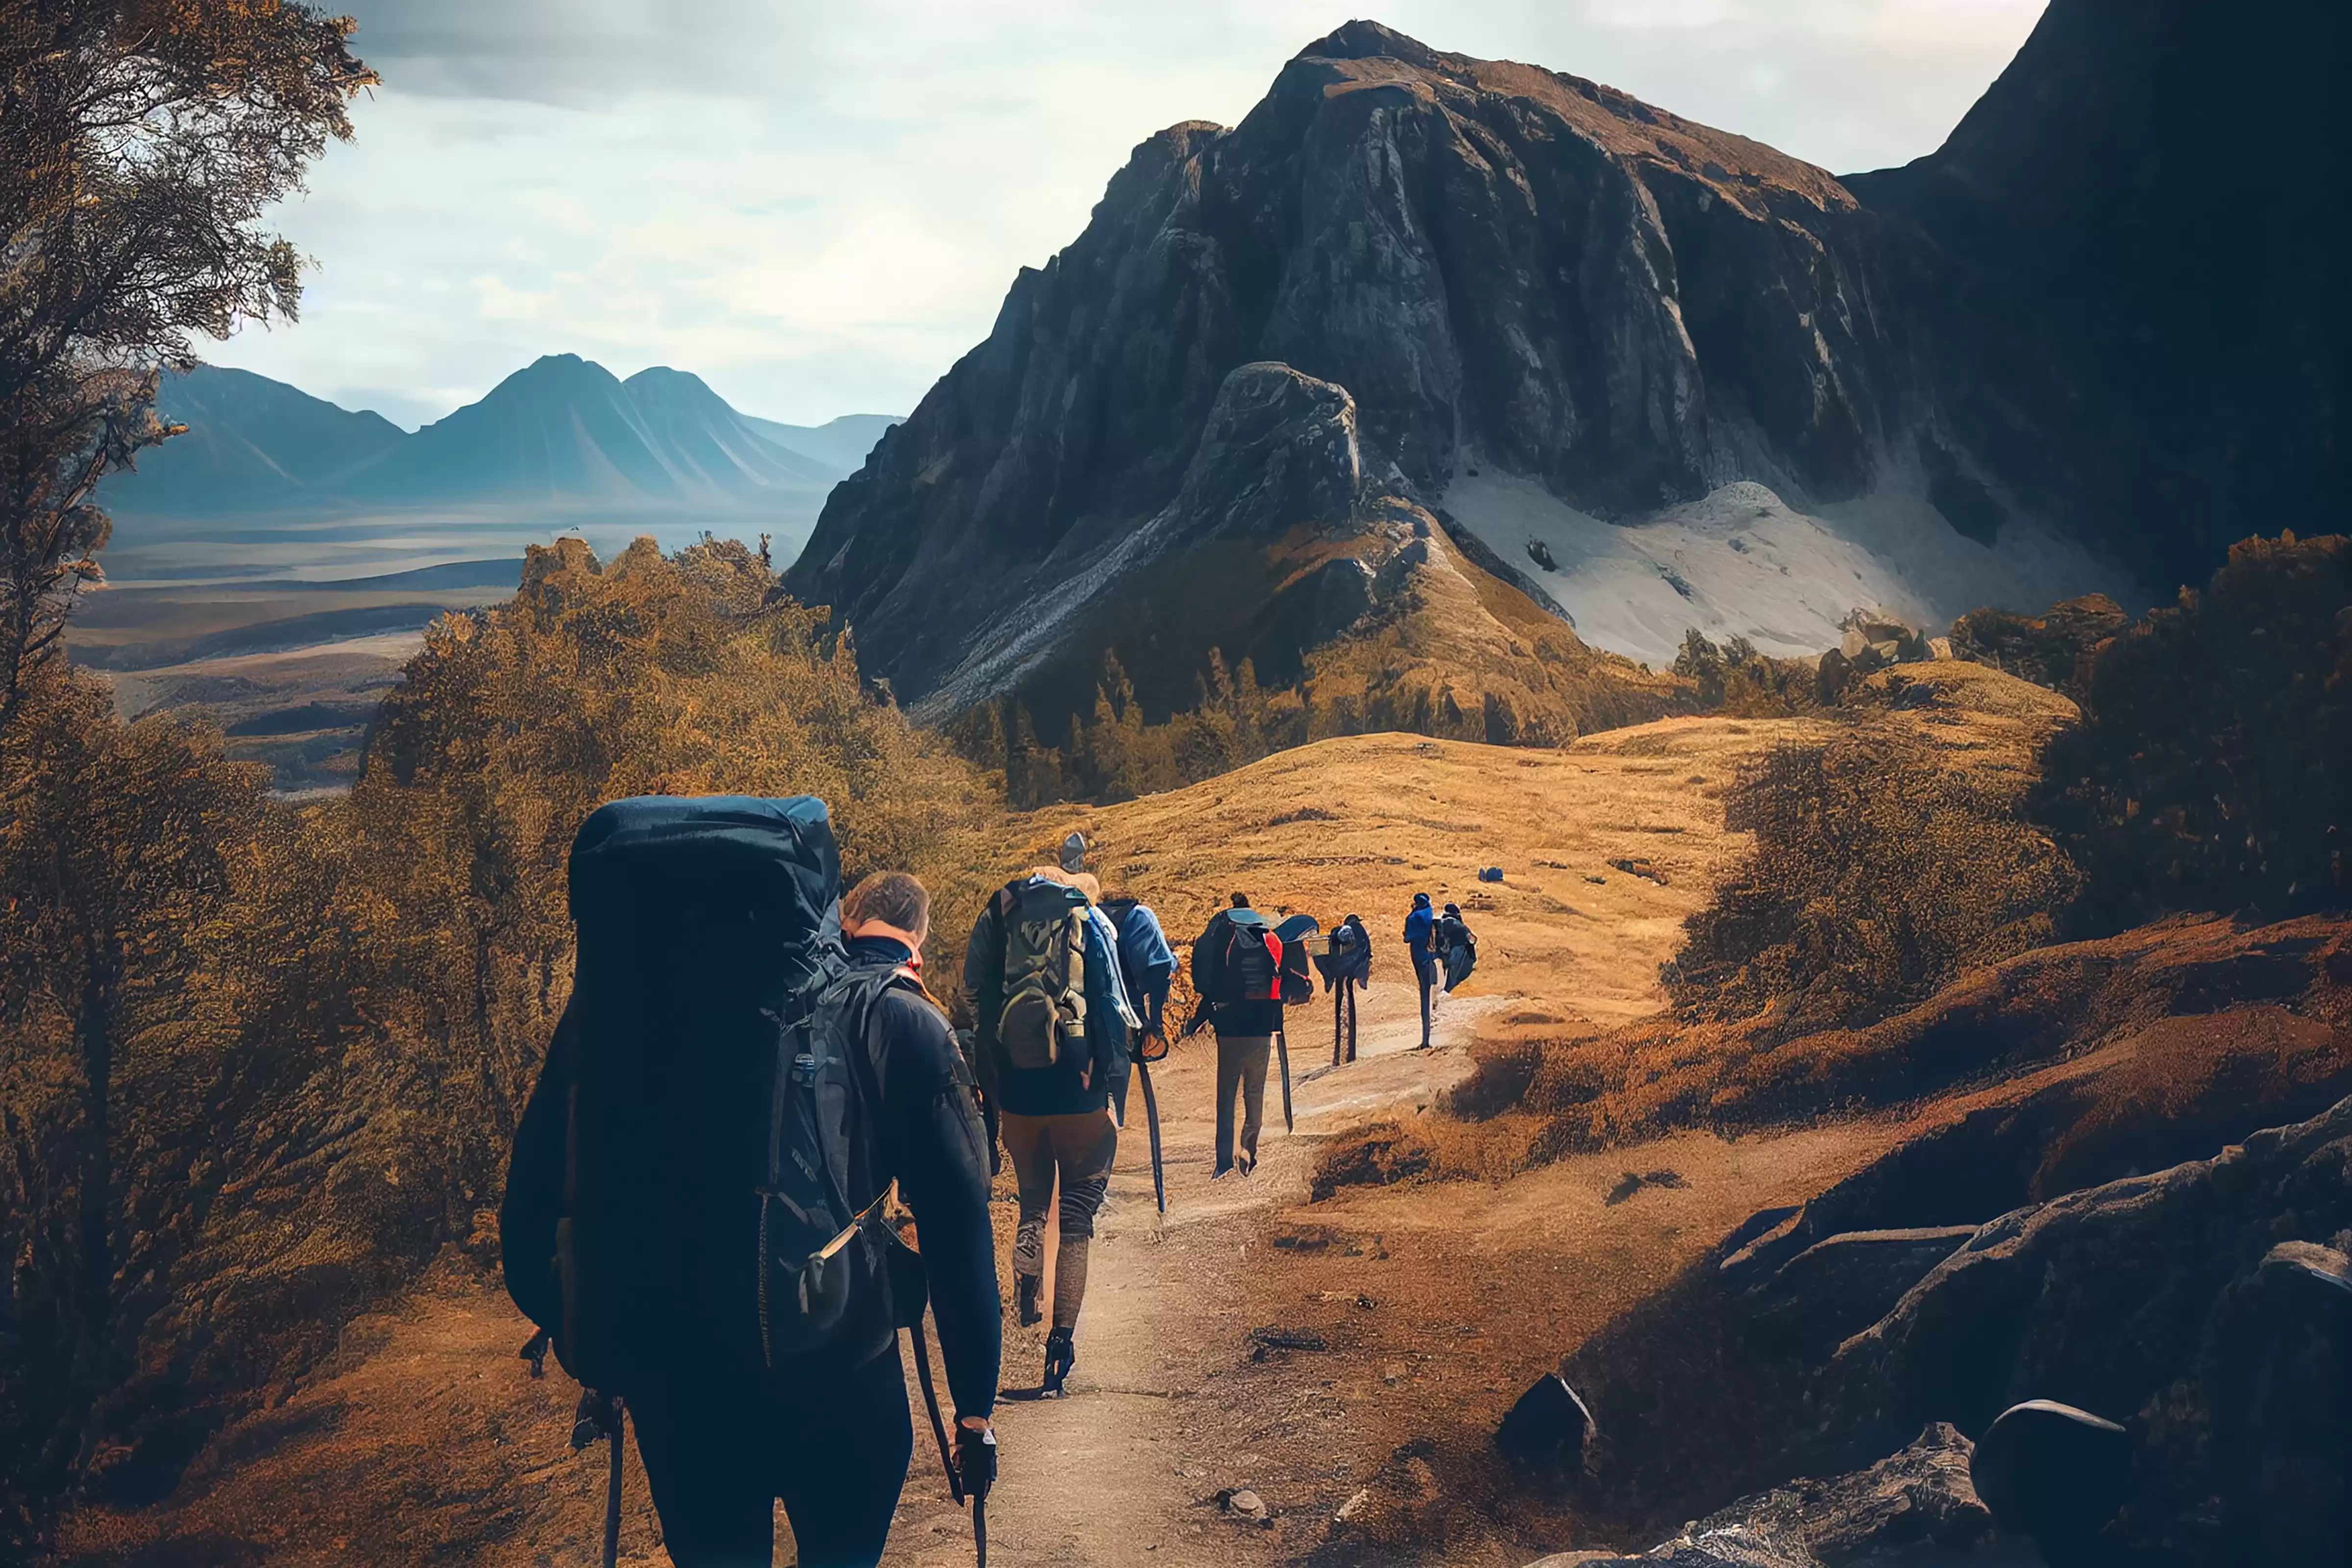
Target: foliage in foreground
{"points": [[259, 1064], [2213, 770], [140, 142]]}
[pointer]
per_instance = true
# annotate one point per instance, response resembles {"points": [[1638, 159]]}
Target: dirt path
{"points": [[1125, 1467], [428, 1442]]}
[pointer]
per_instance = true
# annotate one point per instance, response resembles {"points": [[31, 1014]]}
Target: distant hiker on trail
{"points": [[1419, 928], [755, 1344], [1347, 964], [1237, 969], [1053, 1020], [1457, 947]]}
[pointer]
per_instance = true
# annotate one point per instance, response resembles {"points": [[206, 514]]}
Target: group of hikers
{"points": [[698, 1212]]}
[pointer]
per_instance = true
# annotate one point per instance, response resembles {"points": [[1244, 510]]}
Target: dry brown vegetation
{"points": [[259, 1064], [2052, 648], [1889, 855]]}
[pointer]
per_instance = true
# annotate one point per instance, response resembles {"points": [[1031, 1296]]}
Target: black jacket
{"points": [[1231, 1020], [930, 1143]]}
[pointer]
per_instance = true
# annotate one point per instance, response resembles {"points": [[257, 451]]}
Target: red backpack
{"points": [[1252, 971]]}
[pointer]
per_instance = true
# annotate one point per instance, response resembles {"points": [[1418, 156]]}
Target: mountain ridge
{"points": [[1572, 326], [563, 428]]}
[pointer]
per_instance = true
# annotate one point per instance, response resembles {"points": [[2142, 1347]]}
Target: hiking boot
{"points": [[1061, 1355], [1026, 1289], [1245, 1165]]}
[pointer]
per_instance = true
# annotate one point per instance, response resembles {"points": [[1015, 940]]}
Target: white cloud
{"points": [[819, 206]]}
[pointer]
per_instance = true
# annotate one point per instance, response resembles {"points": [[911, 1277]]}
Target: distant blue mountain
{"points": [[562, 432], [251, 442]]}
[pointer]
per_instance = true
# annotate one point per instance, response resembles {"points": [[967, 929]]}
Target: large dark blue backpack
{"points": [[718, 1208]]}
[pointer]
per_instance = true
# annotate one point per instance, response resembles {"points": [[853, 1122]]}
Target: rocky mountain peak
{"points": [[1719, 386]]}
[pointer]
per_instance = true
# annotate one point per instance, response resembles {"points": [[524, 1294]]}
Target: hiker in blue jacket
{"points": [[1060, 1123], [1419, 927], [1147, 964]]}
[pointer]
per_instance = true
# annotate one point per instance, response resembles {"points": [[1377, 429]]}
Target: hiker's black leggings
{"points": [[835, 1450]]}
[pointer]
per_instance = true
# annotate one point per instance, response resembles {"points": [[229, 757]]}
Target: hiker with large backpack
{"points": [[1053, 1023], [1147, 967], [1457, 946], [1346, 964], [696, 1208], [1237, 969], [1420, 928]]}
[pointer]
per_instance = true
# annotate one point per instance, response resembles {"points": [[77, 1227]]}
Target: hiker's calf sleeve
{"points": [[1029, 1248], [1070, 1278], [1081, 1201]]}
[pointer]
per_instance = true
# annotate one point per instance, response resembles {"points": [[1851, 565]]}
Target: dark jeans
{"points": [[1343, 1020], [1425, 969], [834, 1448]]}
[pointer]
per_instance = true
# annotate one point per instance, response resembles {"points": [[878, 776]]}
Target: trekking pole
{"points": [[613, 1490], [1152, 1121], [602, 1415], [932, 1403], [1282, 1055]]}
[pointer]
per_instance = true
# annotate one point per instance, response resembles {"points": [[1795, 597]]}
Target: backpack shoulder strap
{"points": [[855, 995]]}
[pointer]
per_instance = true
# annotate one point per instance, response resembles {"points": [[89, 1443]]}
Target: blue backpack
{"points": [[713, 1046]]}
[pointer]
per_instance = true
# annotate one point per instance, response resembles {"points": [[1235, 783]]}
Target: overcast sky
{"points": [[818, 206]]}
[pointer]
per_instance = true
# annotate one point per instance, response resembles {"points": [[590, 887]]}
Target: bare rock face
{"points": [[1631, 306], [2130, 303], [2095, 314], [2167, 1304]]}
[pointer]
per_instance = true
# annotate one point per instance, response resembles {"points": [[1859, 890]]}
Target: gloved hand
{"points": [[975, 1448]]}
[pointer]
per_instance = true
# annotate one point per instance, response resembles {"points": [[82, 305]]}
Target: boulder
{"points": [[2273, 1393], [1549, 1426], [2182, 1302], [2054, 1473]]}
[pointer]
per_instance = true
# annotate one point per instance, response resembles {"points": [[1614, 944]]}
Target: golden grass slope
{"points": [[1359, 824]]}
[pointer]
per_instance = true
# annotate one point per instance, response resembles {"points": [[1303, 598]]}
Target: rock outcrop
{"points": [[1916, 1501], [2130, 299], [1487, 256], [1688, 380], [2205, 1309]]}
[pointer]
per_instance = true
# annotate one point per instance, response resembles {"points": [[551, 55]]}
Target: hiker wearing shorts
{"points": [[1059, 1123], [1245, 1031], [1419, 928]]}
